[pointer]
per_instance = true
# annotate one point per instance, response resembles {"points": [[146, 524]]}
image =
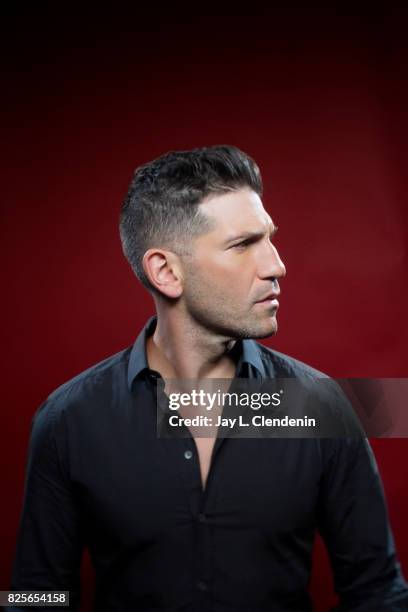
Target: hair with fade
{"points": [[161, 208]]}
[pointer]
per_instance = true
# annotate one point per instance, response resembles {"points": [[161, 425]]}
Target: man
{"points": [[204, 524]]}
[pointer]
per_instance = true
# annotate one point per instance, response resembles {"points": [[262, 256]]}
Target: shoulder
{"points": [[73, 406], [283, 366], [317, 391], [94, 384]]}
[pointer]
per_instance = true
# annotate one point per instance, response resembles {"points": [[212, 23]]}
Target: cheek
{"points": [[227, 265], [224, 273], [229, 278]]}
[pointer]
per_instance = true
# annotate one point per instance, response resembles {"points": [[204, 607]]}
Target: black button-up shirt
{"points": [[98, 476]]}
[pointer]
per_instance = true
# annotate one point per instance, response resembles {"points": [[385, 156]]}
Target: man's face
{"points": [[233, 268]]}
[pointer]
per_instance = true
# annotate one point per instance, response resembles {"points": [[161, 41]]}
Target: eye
{"points": [[243, 244]]}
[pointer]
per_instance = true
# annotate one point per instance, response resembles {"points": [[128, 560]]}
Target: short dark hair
{"points": [[161, 206]]}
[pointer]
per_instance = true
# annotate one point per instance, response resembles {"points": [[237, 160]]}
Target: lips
{"points": [[269, 297]]}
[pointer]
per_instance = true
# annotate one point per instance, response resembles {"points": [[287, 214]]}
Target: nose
{"points": [[270, 265]]}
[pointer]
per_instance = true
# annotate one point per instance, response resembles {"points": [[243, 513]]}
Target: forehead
{"points": [[236, 211]]}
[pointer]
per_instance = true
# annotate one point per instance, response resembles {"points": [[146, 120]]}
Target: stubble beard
{"points": [[210, 310]]}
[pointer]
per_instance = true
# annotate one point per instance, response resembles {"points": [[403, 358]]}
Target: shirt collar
{"points": [[138, 356], [251, 353], [247, 351]]}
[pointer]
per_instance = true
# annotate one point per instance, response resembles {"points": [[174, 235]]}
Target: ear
{"points": [[163, 270]]}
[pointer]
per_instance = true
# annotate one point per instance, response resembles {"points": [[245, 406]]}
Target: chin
{"points": [[261, 330], [268, 331]]}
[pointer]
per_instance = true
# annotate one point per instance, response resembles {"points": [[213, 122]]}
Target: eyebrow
{"points": [[251, 235]]}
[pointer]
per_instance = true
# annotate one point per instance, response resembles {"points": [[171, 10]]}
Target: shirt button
{"points": [[202, 518], [188, 454], [202, 586]]}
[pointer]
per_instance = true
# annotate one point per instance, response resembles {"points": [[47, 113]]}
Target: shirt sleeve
{"points": [[353, 522], [50, 543]]}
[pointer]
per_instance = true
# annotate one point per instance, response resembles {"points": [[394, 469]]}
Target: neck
{"points": [[181, 348]]}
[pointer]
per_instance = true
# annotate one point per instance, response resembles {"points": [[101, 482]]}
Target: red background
{"points": [[319, 100]]}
